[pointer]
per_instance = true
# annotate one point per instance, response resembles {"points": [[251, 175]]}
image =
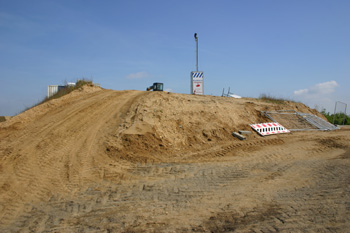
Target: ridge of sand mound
{"points": [[94, 135], [34, 113]]}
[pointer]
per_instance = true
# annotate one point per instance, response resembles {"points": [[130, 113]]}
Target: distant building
{"points": [[53, 89]]}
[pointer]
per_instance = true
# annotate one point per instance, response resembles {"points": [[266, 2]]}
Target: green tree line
{"points": [[339, 118]]}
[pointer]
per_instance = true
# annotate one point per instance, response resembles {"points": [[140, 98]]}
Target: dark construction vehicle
{"points": [[156, 87]]}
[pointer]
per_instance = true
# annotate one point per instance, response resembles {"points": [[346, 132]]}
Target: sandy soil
{"points": [[99, 160]]}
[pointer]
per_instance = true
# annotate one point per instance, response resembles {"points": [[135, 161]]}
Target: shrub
{"points": [[338, 118], [271, 99]]}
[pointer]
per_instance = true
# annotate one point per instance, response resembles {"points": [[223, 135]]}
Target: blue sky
{"points": [[291, 49]]}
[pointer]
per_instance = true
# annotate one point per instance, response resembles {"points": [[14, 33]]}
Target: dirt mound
{"points": [[162, 124], [93, 136], [131, 126]]}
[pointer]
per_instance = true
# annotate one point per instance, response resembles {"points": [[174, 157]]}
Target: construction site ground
{"points": [[100, 160]]}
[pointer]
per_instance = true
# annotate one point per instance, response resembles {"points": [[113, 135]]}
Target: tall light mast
{"points": [[197, 77], [196, 38]]}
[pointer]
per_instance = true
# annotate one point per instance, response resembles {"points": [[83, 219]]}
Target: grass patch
{"points": [[274, 100], [62, 92]]}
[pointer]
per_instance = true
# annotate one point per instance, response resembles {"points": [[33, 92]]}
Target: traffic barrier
{"points": [[271, 128]]}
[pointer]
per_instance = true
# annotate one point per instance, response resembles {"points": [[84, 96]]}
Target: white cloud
{"points": [[168, 90], [318, 89], [138, 75], [324, 88], [318, 95], [301, 92]]}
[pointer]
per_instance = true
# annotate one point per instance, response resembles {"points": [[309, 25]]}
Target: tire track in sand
{"points": [[62, 152]]}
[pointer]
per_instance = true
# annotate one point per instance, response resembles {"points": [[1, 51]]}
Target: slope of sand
{"points": [[100, 160]]}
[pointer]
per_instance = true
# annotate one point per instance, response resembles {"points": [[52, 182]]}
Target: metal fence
{"points": [[340, 108], [230, 94], [297, 121]]}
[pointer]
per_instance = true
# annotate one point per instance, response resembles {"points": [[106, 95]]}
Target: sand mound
{"points": [[94, 135], [135, 125], [162, 124]]}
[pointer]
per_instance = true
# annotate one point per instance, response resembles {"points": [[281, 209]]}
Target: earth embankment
{"points": [[103, 160]]}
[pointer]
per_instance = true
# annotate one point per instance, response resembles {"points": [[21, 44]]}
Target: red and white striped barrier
{"points": [[265, 129]]}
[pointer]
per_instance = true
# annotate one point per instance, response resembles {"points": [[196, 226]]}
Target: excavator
{"points": [[155, 87]]}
